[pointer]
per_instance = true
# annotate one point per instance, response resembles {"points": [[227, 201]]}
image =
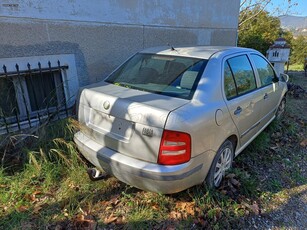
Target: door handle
{"points": [[238, 111], [265, 96]]}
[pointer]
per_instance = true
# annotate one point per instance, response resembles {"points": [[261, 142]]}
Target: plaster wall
{"points": [[102, 34]]}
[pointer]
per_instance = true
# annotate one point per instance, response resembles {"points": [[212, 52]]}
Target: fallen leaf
{"points": [[115, 200], [5, 208], [186, 207], [303, 143], [37, 209], [235, 182], [231, 175], [255, 208], [22, 208], [274, 148], [86, 222], [110, 219], [34, 194], [120, 220], [175, 215], [38, 196]]}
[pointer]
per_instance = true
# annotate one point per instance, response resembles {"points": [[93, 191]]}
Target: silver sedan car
{"points": [[171, 118]]}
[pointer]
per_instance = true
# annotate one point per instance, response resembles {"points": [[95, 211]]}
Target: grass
{"points": [[52, 189], [49, 189], [296, 67]]}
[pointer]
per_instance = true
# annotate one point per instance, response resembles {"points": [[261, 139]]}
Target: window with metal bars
{"points": [[31, 95]]}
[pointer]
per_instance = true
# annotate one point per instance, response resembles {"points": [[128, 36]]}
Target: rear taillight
{"points": [[175, 148]]}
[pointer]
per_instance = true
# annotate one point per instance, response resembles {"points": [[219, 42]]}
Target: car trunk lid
{"points": [[126, 120]]}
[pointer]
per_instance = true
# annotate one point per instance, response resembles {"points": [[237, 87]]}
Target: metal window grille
{"points": [[31, 96]]}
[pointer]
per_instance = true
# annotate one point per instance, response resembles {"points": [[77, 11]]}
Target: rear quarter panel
{"points": [[198, 118]]}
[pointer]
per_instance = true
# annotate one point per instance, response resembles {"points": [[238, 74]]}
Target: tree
{"points": [[258, 32], [258, 28], [299, 50], [249, 9], [258, 6]]}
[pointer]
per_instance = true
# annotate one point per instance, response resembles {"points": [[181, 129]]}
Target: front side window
{"points": [[160, 74], [265, 71], [243, 74]]}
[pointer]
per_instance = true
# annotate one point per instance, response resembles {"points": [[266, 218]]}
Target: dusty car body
{"points": [[171, 118]]}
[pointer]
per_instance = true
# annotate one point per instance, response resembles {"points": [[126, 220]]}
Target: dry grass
{"points": [[45, 186]]}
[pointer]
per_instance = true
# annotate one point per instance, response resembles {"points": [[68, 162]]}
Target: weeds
{"points": [[261, 143], [51, 190], [25, 193]]}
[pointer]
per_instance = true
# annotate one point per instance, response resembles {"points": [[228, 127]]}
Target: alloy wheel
{"points": [[223, 164]]}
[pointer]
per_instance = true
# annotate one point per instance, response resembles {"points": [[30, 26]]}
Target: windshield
{"points": [[161, 74]]}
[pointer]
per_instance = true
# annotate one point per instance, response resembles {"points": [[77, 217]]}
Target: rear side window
{"points": [[265, 71], [229, 82], [240, 69]]}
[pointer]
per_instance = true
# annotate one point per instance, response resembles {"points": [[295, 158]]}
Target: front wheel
{"points": [[221, 163]]}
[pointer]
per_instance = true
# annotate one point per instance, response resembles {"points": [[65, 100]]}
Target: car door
{"points": [[269, 88], [242, 97]]}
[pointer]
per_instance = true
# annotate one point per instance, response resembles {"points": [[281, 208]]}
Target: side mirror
{"points": [[284, 77]]}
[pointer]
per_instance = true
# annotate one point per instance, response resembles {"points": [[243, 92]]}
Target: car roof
{"points": [[203, 52]]}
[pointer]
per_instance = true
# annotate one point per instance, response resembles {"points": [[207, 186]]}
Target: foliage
{"points": [[296, 67], [52, 190], [258, 29], [258, 6], [249, 9], [299, 50], [259, 32]]}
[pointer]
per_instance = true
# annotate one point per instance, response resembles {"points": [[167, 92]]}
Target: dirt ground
{"points": [[288, 208]]}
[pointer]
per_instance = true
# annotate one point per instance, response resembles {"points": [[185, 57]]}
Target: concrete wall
{"points": [[102, 34]]}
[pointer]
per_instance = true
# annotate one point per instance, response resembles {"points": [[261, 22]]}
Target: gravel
{"points": [[292, 214]]}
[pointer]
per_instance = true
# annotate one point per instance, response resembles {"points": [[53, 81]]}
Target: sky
{"points": [[299, 10]]}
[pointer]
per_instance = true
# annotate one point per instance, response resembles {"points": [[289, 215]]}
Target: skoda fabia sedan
{"points": [[171, 118]]}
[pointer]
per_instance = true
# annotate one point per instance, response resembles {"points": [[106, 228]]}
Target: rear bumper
{"points": [[144, 175]]}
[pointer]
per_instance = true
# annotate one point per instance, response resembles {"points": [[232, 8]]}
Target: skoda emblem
{"points": [[106, 105]]}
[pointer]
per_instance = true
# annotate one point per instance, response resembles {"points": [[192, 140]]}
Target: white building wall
{"points": [[178, 13], [103, 33]]}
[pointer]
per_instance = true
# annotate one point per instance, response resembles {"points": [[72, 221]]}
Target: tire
{"points": [[281, 109], [221, 163]]}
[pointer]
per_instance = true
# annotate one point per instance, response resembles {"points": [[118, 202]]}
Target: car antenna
{"points": [[172, 47]]}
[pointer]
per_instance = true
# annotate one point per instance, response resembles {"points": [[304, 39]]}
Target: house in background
{"points": [[278, 54], [48, 49]]}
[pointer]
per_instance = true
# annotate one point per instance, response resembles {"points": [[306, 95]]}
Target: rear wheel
{"points": [[221, 163]]}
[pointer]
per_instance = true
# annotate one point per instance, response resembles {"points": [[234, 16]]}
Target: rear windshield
{"points": [[166, 75]]}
